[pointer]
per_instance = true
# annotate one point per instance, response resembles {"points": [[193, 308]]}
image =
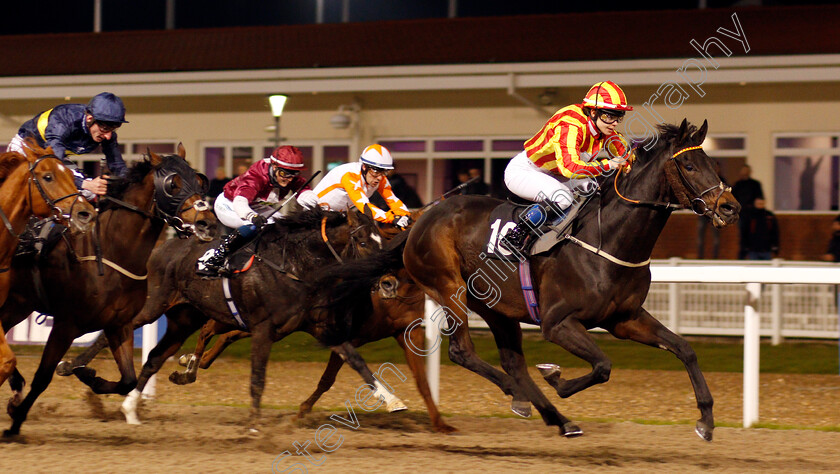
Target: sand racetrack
{"points": [[203, 427]]}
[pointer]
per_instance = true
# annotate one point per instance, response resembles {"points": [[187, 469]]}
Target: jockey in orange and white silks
{"points": [[578, 143], [352, 184]]}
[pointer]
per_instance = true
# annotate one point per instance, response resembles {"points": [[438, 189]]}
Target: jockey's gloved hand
{"points": [[402, 222], [617, 163], [258, 220]]}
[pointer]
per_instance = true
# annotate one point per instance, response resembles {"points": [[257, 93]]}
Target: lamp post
{"points": [[277, 101]]}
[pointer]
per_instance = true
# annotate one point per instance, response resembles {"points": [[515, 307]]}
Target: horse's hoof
{"points": [[396, 405], [571, 430], [704, 431], [183, 360], [521, 408], [10, 433], [129, 408], [547, 370], [444, 428], [64, 369]]}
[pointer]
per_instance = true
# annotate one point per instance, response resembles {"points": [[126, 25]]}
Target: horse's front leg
{"points": [[8, 361], [221, 344], [354, 360], [648, 330], [182, 321], [66, 368], [326, 382], [260, 350], [122, 346], [191, 361], [60, 339]]}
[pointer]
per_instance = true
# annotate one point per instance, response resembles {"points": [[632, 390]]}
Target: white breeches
{"points": [[228, 216], [528, 181]]}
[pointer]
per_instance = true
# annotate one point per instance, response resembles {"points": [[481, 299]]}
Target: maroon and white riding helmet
{"points": [[288, 158]]}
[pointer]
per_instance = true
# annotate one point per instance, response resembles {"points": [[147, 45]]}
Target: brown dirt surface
{"points": [[639, 421]]}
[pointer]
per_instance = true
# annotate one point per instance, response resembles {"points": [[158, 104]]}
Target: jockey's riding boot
{"points": [[212, 263], [515, 238]]}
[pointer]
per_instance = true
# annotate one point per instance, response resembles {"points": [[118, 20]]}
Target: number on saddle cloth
{"points": [[504, 218]]}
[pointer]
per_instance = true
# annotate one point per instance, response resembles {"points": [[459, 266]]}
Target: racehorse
{"points": [[599, 278], [270, 299], [70, 286], [379, 308], [54, 194]]}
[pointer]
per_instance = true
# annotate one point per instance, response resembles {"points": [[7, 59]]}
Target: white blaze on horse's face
{"points": [[377, 239], [62, 168]]}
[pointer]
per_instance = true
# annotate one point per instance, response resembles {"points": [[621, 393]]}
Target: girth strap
{"points": [[231, 304], [528, 290], [603, 254]]}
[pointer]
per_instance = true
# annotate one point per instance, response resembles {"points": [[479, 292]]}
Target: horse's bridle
{"points": [[52, 203], [170, 205], [683, 189]]}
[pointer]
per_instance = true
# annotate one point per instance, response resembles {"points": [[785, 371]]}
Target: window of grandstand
{"points": [[806, 169]]}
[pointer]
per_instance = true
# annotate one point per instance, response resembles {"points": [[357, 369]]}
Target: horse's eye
{"points": [[362, 244], [689, 167], [48, 177]]}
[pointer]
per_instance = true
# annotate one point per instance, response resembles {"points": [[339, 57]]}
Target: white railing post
{"points": [[776, 309], [752, 339], [674, 300], [432, 359]]}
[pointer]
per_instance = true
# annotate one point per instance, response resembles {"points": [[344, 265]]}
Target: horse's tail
{"points": [[343, 290]]}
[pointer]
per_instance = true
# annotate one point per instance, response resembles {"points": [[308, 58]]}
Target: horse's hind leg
{"points": [[221, 344], [648, 330], [326, 382], [191, 361], [417, 365], [508, 336]]}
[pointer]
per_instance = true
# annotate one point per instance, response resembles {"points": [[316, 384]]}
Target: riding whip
{"points": [[450, 192]]}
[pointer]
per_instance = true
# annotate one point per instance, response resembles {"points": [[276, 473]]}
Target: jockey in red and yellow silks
{"points": [[578, 143], [352, 184]]}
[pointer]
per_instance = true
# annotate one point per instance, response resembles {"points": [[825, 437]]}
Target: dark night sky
{"points": [[63, 16]]}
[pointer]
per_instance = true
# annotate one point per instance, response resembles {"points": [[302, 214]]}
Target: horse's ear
{"points": [[353, 217], [367, 211], [700, 135], [154, 157], [182, 152], [682, 133]]}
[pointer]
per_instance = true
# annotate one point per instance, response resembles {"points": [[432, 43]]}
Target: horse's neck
{"points": [[13, 196], [120, 222], [626, 230]]}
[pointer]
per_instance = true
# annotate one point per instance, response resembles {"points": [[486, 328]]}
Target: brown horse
{"points": [[578, 288], [387, 307], [161, 189], [54, 194]]}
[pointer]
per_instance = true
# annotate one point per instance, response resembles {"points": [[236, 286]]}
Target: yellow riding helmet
{"points": [[606, 95]]}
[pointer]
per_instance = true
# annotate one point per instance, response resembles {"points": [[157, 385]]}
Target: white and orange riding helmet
{"points": [[377, 156]]}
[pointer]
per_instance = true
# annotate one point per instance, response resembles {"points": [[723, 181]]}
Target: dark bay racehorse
{"points": [[379, 308], [68, 284], [271, 298], [36, 183], [577, 288]]}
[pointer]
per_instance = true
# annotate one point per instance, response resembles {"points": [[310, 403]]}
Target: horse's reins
{"points": [[682, 186]]}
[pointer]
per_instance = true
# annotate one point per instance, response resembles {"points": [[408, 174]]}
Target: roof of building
{"points": [[566, 37]]}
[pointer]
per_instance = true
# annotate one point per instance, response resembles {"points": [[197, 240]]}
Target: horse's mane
{"points": [[118, 185], [668, 135], [301, 222], [9, 161]]}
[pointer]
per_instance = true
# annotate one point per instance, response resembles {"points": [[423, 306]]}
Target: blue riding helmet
{"points": [[106, 107]]}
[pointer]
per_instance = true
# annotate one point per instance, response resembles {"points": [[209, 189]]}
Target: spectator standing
{"points": [[833, 252], [746, 190], [760, 240], [478, 186], [217, 184]]}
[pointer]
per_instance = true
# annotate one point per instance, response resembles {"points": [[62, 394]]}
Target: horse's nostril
{"points": [[201, 225], [728, 208], [84, 216]]}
